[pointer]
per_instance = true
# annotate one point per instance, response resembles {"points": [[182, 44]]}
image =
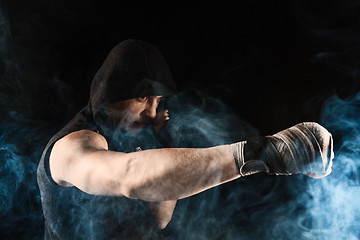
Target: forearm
{"points": [[175, 173]]}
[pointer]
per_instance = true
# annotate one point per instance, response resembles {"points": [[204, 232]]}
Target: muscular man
{"points": [[94, 184]]}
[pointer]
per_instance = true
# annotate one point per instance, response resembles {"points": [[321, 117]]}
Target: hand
{"points": [[325, 141], [307, 148], [160, 119], [304, 148]]}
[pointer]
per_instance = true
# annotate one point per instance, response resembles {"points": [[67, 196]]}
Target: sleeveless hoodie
{"points": [[132, 69]]}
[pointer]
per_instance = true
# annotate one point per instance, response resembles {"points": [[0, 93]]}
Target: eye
{"points": [[141, 99]]}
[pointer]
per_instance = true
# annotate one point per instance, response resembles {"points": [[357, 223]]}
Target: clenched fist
{"points": [[160, 119]]}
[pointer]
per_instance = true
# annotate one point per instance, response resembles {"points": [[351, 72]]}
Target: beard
{"points": [[133, 124]]}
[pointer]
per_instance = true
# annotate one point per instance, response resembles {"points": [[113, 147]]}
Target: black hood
{"points": [[132, 69]]}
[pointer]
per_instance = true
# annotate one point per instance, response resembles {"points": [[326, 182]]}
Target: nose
{"points": [[150, 110]]}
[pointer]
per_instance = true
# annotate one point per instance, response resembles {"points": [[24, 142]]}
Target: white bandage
{"points": [[304, 148], [238, 153]]}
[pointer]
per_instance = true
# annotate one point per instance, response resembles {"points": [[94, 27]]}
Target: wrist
{"points": [[238, 154], [249, 156]]}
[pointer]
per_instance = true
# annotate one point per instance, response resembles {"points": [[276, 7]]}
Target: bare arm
{"points": [[83, 159], [162, 212]]}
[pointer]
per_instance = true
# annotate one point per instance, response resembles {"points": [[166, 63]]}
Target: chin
{"points": [[134, 129]]}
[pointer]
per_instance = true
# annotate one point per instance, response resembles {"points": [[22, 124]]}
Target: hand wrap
{"points": [[304, 148]]}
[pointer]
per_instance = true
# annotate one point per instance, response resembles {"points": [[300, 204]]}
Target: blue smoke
{"points": [[334, 207], [20, 208], [255, 207], [23, 137], [281, 207]]}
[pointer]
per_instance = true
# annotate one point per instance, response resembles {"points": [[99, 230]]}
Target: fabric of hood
{"points": [[133, 68]]}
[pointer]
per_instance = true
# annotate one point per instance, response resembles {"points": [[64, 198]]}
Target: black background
{"points": [[273, 62], [256, 56]]}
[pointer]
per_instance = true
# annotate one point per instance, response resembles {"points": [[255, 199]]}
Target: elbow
{"points": [[135, 182], [138, 182], [121, 179], [131, 188], [129, 191], [135, 190]]}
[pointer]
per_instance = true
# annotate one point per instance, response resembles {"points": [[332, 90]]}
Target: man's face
{"points": [[133, 114]]}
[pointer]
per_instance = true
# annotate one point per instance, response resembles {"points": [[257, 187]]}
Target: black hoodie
{"points": [[132, 69]]}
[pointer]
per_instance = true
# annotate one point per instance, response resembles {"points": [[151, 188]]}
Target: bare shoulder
{"points": [[82, 139], [71, 147]]}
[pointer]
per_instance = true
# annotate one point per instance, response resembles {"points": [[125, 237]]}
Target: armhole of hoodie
{"points": [[47, 157]]}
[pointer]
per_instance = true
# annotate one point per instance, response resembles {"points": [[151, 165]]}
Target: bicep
{"points": [[97, 172], [82, 159]]}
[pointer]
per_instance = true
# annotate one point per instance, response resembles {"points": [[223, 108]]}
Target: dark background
{"points": [[273, 62], [257, 56]]}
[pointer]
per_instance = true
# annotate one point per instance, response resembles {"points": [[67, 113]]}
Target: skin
{"points": [[82, 159], [132, 115], [136, 113], [160, 176]]}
